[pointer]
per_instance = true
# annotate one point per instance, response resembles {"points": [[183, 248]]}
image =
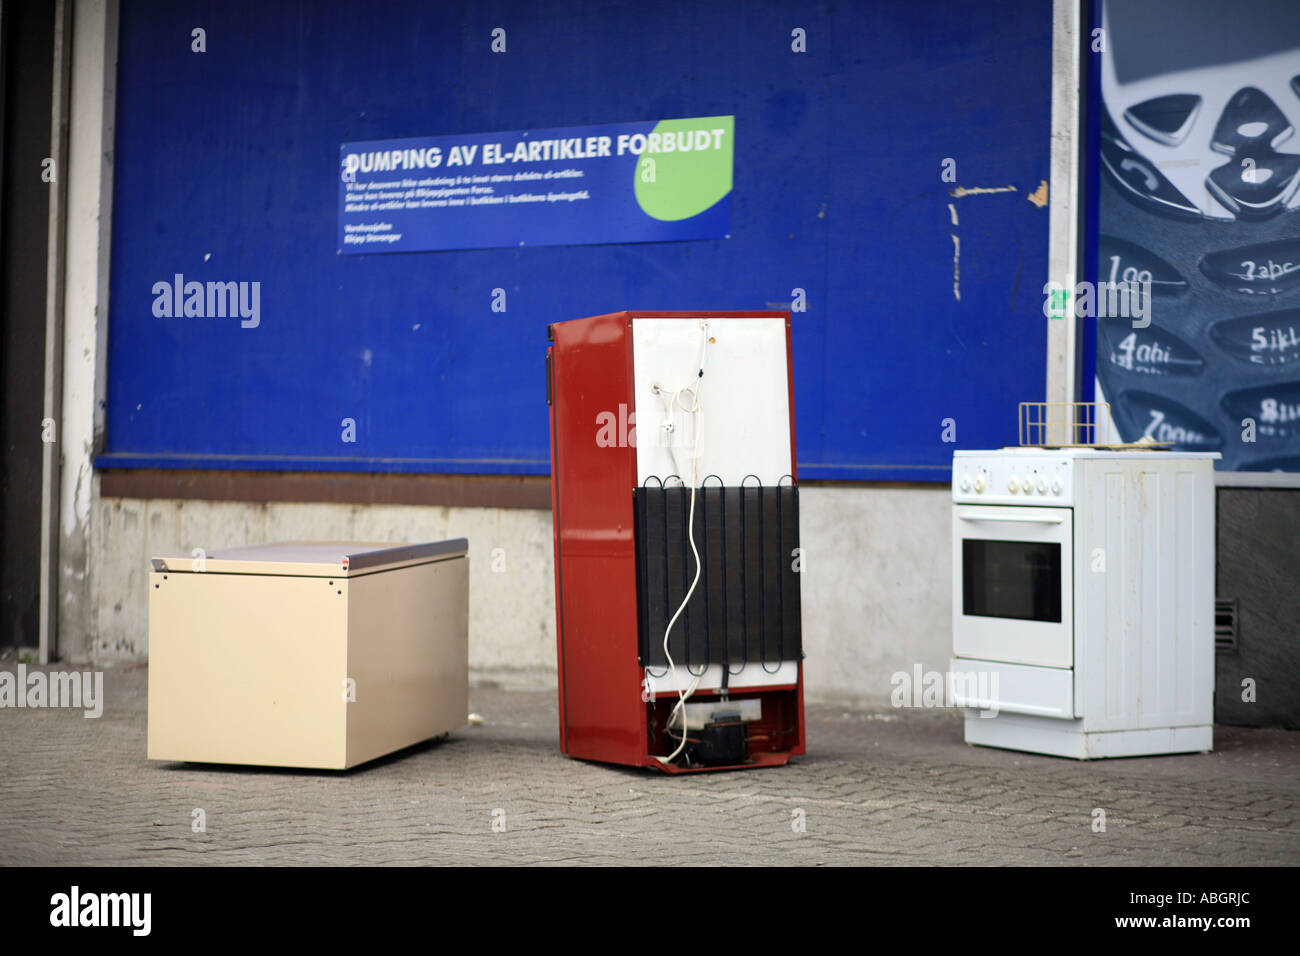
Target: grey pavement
{"points": [[885, 787]]}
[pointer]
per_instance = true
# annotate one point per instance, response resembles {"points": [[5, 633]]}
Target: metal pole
{"points": [[1063, 195]]}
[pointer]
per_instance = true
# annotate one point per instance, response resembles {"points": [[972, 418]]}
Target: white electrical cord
{"points": [[694, 409]]}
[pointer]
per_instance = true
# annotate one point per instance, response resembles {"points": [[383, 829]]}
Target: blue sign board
{"points": [[582, 185], [413, 363]]}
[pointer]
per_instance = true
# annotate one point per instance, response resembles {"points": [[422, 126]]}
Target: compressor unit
{"points": [[676, 515]]}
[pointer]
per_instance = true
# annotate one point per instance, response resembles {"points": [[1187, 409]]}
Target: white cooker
{"points": [[1083, 600]]}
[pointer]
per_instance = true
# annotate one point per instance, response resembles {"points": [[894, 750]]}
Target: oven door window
{"points": [[1012, 579]]}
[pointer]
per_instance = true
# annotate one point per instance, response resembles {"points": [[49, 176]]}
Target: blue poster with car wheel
{"points": [[1199, 203]]}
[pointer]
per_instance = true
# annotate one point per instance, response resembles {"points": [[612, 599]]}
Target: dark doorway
{"points": [[27, 67]]}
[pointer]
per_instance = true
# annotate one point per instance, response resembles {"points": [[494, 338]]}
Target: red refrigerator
{"points": [[675, 501]]}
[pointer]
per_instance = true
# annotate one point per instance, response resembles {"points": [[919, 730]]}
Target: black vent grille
{"points": [[745, 608], [1225, 627]]}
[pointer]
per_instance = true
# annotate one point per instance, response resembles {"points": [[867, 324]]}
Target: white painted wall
{"points": [[85, 323], [876, 593]]}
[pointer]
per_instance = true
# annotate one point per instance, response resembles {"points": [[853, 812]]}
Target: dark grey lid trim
{"points": [[455, 547]]}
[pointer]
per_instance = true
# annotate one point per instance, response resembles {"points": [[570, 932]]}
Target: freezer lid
{"points": [[338, 559]]}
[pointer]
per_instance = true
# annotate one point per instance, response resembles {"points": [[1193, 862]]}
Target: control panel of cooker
{"points": [[1029, 480]]}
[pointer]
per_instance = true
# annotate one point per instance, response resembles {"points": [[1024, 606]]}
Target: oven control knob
{"points": [[1026, 486], [979, 485], [1056, 486], [965, 483], [1013, 486], [1042, 486]]}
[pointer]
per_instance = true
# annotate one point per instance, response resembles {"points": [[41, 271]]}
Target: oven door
{"points": [[1012, 575]]}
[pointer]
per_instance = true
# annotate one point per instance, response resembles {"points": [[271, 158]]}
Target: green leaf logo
{"points": [[686, 167]]}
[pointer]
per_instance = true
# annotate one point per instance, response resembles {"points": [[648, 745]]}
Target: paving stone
{"points": [[875, 788]]}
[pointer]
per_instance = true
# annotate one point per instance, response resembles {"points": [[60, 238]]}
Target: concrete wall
{"points": [[512, 611], [876, 591], [877, 587]]}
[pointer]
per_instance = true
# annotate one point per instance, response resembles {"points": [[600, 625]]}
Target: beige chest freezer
{"points": [[307, 654]]}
